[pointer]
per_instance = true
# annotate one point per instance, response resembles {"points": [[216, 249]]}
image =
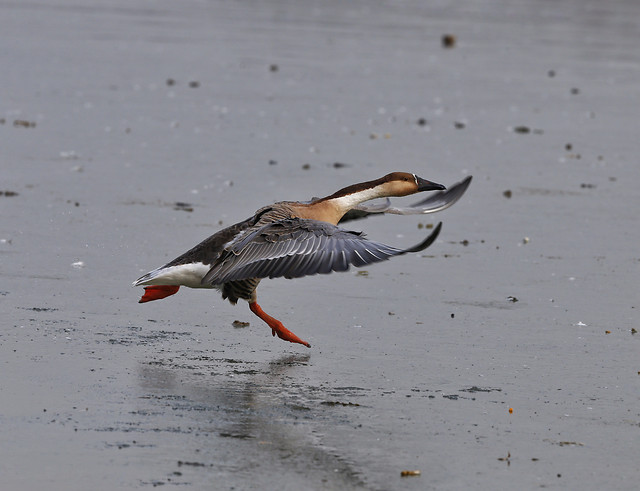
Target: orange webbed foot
{"points": [[157, 292], [277, 328]]}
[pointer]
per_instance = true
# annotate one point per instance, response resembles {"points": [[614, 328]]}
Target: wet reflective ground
{"points": [[504, 356]]}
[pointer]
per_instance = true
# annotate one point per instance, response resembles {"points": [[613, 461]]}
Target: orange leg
{"points": [[157, 292], [276, 326]]}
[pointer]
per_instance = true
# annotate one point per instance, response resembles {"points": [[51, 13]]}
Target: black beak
{"points": [[424, 185]]}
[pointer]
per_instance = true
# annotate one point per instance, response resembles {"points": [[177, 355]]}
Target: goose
{"points": [[292, 239]]}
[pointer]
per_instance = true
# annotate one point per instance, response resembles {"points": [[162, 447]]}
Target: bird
{"points": [[292, 239]]}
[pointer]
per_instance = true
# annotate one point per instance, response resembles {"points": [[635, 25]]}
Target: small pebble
{"points": [[410, 473], [448, 41]]}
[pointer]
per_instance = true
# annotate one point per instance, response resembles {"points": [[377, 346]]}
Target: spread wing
{"points": [[300, 247]]}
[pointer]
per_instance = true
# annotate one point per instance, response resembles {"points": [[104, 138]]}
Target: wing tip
{"points": [[426, 242]]}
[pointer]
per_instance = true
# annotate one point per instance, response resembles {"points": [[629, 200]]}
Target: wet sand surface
{"points": [[503, 357]]}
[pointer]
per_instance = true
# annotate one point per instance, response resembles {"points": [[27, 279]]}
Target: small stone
{"points": [[522, 129], [410, 473], [448, 41]]}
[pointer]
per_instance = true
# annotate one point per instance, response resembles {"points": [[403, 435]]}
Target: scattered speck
{"points": [[507, 193], [448, 41], [69, 155], [181, 206], [22, 123], [78, 264], [413, 473]]}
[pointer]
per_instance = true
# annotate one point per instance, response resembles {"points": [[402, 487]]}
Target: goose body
{"points": [[294, 239]]}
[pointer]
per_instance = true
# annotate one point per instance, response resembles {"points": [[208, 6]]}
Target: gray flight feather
{"points": [[296, 247]]}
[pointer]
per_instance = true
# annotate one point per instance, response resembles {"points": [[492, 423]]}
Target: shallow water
{"points": [[132, 131]]}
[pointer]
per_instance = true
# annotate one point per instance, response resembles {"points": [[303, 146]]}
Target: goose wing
{"points": [[436, 202], [298, 247]]}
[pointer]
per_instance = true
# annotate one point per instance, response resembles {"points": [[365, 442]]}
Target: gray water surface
{"points": [[503, 357]]}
